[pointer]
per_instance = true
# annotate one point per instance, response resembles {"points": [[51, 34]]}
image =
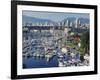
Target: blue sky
{"points": [[54, 16]]}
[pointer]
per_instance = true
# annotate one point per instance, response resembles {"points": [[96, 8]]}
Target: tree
{"points": [[85, 42]]}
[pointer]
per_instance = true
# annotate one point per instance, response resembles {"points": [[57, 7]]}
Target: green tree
{"points": [[85, 43]]}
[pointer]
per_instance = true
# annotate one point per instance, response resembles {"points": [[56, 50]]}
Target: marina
{"points": [[55, 44]]}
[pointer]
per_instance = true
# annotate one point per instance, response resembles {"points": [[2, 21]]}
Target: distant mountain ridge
{"points": [[27, 19]]}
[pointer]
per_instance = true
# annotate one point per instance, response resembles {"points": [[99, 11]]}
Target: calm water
{"points": [[40, 62]]}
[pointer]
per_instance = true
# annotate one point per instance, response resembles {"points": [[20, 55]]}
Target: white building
{"points": [[77, 23]]}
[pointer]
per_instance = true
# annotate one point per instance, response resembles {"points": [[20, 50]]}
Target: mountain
{"points": [[84, 20], [27, 19]]}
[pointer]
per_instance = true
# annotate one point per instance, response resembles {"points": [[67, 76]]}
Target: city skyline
{"points": [[54, 16]]}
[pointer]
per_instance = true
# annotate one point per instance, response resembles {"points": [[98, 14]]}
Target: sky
{"points": [[54, 16]]}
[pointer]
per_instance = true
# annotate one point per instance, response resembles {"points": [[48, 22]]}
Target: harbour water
{"points": [[34, 62]]}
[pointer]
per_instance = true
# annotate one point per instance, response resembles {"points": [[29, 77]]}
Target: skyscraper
{"points": [[67, 23], [77, 23]]}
